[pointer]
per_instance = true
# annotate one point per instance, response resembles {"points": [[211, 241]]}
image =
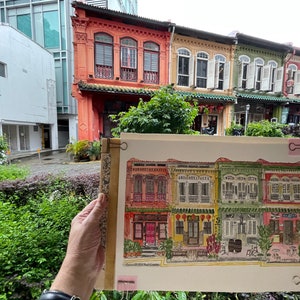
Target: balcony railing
{"points": [[128, 74], [105, 72], [151, 77]]}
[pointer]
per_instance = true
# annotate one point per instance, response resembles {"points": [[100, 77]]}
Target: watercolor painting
{"points": [[215, 212]]}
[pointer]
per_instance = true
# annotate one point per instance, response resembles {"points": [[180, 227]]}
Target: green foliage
{"points": [[78, 148], [35, 222], [12, 172], [166, 112], [167, 246], [265, 241], [235, 129], [94, 149], [265, 128], [3, 149]]}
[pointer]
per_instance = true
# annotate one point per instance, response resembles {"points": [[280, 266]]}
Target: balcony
{"points": [[104, 72]]}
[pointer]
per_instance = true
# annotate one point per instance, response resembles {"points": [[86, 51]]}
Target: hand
{"points": [[85, 256]]}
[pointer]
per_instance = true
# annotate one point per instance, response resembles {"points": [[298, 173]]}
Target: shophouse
{"points": [[201, 65], [291, 88], [281, 199], [258, 74], [119, 58], [28, 105]]}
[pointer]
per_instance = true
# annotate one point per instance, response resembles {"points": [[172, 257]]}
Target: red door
{"points": [[150, 233]]}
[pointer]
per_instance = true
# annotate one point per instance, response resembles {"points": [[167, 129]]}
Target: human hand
{"points": [[85, 256]]}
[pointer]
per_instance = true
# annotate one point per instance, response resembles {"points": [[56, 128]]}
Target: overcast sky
{"points": [[267, 19]]}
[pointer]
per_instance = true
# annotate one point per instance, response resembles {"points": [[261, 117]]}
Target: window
{"points": [[296, 188], [103, 56], [151, 63], [24, 24], [162, 231], [205, 190], [51, 29], [150, 188], [218, 73], [161, 188], [184, 67], [274, 226], [254, 74], [242, 79], [128, 59], [138, 231], [274, 188], [179, 227], [2, 69], [291, 78], [201, 71], [207, 227], [182, 188], [137, 188]]}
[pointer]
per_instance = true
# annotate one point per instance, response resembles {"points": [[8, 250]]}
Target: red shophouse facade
{"points": [[118, 60]]}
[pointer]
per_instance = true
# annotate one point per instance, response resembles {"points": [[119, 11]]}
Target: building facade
{"points": [[28, 116], [116, 64]]}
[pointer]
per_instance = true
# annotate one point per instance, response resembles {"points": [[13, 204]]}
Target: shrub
{"points": [[35, 217], [12, 172], [3, 149], [166, 112], [265, 128]]}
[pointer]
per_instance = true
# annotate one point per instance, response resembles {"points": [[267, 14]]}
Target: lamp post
{"points": [[246, 117]]}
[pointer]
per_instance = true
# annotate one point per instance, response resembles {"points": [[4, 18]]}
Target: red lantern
{"points": [[184, 217], [208, 217], [193, 216], [202, 217], [177, 217]]}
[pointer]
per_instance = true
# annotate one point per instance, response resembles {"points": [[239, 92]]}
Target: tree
{"points": [[166, 112]]}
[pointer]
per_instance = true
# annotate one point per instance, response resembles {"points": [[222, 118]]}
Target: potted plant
{"points": [[78, 149], [94, 150]]}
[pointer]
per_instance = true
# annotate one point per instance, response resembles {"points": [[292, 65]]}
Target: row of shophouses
{"points": [[213, 210], [121, 58]]}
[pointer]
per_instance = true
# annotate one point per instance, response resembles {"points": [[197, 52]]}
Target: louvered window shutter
{"points": [[211, 74], [250, 76], [266, 78], [278, 80], [226, 75]]}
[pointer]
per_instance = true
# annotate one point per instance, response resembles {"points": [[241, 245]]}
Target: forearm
{"points": [[73, 279]]}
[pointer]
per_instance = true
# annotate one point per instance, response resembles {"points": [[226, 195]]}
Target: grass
{"points": [[12, 172]]}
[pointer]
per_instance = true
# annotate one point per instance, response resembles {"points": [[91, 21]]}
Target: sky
{"points": [[266, 19]]}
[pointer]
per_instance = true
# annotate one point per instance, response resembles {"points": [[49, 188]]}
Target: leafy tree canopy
{"points": [[166, 112]]}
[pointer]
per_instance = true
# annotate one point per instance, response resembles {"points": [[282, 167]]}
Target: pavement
{"points": [[53, 162]]}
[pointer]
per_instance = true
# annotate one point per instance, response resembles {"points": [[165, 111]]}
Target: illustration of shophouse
{"points": [[281, 199], [148, 197], [240, 207], [194, 212]]}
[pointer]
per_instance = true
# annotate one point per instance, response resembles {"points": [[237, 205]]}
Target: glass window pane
{"points": [[24, 24], [51, 30]]}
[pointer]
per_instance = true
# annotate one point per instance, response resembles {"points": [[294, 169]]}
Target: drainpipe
{"points": [[170, 53]]}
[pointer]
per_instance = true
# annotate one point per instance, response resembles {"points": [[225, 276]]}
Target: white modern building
{"points": [[28, 116], [48, 22]]}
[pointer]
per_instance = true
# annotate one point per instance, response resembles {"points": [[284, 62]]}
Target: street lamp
{"points": [[246, 117]]}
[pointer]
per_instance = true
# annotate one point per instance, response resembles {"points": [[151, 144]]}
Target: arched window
{"points": [[259, 63], [128, 59], [151, 63], [184, 67], [220, 74], [201, 72], [137, 188], [243, 67], [103, 56]]}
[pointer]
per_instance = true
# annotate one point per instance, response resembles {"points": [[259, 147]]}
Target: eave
{"points": [[261, 97], [121, 90]]}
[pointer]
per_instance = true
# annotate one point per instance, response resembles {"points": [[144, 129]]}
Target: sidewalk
{"points": [[56, 162]]}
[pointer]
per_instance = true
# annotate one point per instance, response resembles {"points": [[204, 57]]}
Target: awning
{"points": [[252, 97]]}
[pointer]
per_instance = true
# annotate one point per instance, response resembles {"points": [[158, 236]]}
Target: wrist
{"points": [[57, 295], [74, 279]]}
